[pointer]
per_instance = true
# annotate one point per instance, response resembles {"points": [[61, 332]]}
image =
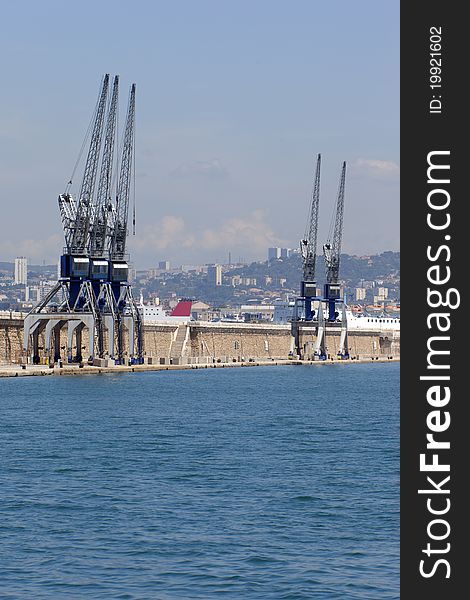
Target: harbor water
{"points": [[253, 483]]}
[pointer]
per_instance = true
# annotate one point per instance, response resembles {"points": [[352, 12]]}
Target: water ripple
{"points": [[238, 483]]}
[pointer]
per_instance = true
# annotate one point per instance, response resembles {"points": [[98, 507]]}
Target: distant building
{"points": [[283, 311], [132, 274], [188, 268], [235, 280], [33, 293], [381, 296], [248, 281], [360, 293], [383, 293], [214, 275], [21, 270], [274, 253], [164, 265], [286, 252], [40, 291], [200, 311], [257, 312]]}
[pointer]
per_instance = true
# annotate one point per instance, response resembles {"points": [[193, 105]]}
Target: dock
{"points": [[41, 370]]}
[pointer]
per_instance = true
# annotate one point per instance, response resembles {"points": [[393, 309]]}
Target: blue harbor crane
{"points": [[308, 249], [117, 248], [309, 325], [75, 262], [93, 291], [306, 319], [332, 252], [103, 207], [118, 260]]}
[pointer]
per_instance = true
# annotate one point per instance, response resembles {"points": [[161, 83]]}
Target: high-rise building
{"points": [[381, 296], [132, 274], [164, 265], [32, 293], [21, 270], [274, 253], [360, 293], [214, 274], [285, 252], [383, 293]]}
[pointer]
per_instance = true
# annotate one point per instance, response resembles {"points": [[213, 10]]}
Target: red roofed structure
{"points": [[182, 309]]}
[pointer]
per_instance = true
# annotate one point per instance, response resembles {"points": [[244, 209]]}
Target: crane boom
{"points": [[79, 237], [308, 247], [119, 236], [332, 253], [103, 204], [68, 214], [332, 249]]}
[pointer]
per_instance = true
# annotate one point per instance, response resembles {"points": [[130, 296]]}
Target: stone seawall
{"points": [[11, 340], [239, 341], [225, 341], [361, 344]]}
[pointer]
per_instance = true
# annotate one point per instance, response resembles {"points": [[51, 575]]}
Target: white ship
{"points": [[152, 313], [368, 322], [284, 311]]}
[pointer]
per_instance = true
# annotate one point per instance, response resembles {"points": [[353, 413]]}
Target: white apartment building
{"points": [[21, 270]]}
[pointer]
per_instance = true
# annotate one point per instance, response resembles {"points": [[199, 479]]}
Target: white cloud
{"points": [[251, 234], [160, 235], [246, 236], [208, 169], [375, 167], [48, 249]]}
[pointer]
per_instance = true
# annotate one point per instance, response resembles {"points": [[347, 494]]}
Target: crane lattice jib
{"points": [[333, 250], [103, 196], [79, 240], [68, 212], [118, 240], [309, 243]]}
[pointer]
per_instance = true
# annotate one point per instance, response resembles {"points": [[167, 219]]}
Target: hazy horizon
{"points": [[176, 265]]}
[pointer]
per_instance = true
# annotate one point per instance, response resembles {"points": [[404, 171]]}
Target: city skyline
{"points": [[367, 280], [166, 264], [233, 104]]}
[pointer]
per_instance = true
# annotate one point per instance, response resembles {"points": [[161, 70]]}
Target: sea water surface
{"points": [[253, 483]]}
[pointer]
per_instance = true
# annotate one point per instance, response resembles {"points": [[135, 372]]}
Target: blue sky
{"points": [[234, 101]]}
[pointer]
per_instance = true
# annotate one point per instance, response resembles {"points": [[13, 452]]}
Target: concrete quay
{"points": [[41, 370], [198, 345]]}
